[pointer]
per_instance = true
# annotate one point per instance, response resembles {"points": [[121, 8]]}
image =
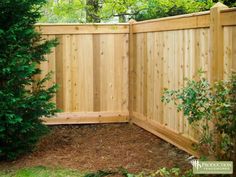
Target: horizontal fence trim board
{"points": [[87, 118], [82, 29], [228, 10], [174, 17], [90, 114], [228, 18], [168, 135], [173, 24], [82, 24]]}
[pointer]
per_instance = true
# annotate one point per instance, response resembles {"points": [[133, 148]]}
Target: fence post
{"points": [[217, 52], [216, 39], [131, 69]]}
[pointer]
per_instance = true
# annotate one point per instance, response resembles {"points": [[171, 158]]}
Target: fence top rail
{"points": [[179, 22], [174, 17], [186, 21], [184, 16], [228, 10], [76, 28], [82, 24], [228, 17]]}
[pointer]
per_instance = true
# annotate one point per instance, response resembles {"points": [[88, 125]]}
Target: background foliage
{"points": [[21, 49], [121, 11]]}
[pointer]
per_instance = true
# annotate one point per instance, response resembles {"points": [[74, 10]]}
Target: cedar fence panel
{"points": [[117, 73]]}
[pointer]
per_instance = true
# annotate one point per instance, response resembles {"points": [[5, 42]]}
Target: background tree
{"points": [[91, 11], [163, 8], [69, 11], [93, 8], [123, 10], [229, 3], [21, 49]]}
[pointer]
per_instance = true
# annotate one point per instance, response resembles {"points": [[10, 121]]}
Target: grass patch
{"points": [[41, 171]]}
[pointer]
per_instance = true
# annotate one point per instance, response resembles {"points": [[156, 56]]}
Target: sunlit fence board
{"points": [[229, 50]]}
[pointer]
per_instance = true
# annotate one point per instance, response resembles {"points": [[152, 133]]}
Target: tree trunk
{"points": [[122, 19], [92, 8]]}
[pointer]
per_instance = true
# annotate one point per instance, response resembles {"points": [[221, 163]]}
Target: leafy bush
{"points": [[165, 8], [167, 172], [95, 11], [21, 49], [212, 109]]}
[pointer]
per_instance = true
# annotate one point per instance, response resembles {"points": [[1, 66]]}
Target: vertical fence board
{"points": [[85, 73], [75, 74], [59, 73], [125, 73], [150, 73], [229, 50], [96, 73]]}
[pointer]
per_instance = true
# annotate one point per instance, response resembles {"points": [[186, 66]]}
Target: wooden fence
{"points": [[91, 68], [170, 49], [116, 73]]}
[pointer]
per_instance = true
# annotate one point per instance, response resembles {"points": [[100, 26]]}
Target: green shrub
{"points": [[21, 49], [212, 110], [167, 172]]}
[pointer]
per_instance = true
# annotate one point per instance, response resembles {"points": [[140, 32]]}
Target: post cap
{"points": [[219, 5], [132, 21]]}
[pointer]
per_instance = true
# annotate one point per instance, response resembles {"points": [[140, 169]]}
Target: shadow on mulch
{"points": [[106, 146]]}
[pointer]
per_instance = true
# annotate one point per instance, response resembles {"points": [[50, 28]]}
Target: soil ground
{"points": [[102, 147]]}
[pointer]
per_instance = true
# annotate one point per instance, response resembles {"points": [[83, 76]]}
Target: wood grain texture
{"points": [[229, 50], [103, 72], [165, 133], [173, 23], [164, 60], [87, 118], [228, 17], [175, 52], [63, 29], [91, 71], [216, 37]]}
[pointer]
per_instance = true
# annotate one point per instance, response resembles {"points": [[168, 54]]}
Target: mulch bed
{"points": [[102, 147]]}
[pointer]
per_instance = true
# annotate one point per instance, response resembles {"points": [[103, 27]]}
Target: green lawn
{"points": [[41, 171]]}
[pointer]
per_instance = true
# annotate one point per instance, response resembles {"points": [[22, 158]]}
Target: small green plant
{"points": [[120, 171], [167, 172], [162, 172], [100, 173], [21, 106], [212, 110]]}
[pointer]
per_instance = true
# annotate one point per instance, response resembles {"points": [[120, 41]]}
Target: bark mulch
{"points": [[102, 147]]}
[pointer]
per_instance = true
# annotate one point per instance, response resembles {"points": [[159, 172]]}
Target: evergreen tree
{"points": [[21, 105]]}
